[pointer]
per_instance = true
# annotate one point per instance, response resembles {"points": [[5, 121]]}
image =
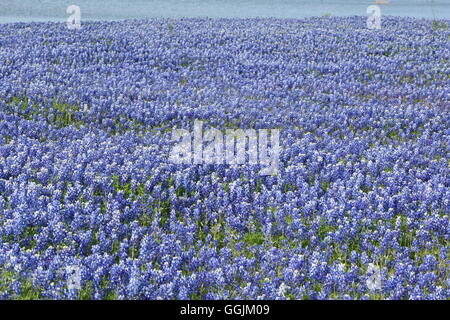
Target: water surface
{"points": [[55, 10]]}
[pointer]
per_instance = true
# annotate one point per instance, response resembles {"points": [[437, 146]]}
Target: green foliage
{"points": [[60, 114], [253, 238], [365, 189], [436, 25], [325, 228], [85, 293], [325, 185], [128, 191], [185, 63], [28, 291], [259, 184]]}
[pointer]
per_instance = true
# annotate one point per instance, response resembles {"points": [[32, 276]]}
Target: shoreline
{"points": [[325, 16]]}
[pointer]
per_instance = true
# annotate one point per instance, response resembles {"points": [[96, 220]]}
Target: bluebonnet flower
{"points": [[85, 179]]}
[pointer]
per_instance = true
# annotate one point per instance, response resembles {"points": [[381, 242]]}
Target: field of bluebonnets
{"points": [[85, 124]]}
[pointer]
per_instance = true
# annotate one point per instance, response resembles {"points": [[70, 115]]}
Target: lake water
{"points": [[55, 10]]}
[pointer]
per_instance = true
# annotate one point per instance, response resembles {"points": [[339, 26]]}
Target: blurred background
{"points": [[55, 10]]}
